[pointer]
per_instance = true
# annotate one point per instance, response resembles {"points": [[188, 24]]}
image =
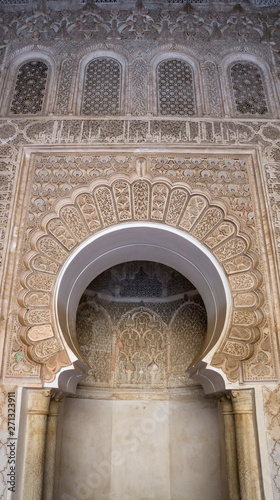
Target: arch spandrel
{"points": [[108, 204]]}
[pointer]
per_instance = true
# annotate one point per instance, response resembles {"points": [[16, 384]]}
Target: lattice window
{"points": [[175, 88], [189, 1], [13, 2], [267, 2], [30, 88], [102, 1], [102, 88], [248, 89]]}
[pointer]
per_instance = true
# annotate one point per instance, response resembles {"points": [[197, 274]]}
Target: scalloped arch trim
{"points": [[107, 204]]}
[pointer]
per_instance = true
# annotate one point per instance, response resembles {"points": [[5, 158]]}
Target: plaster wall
{"points": [[140, 450], [210, 36]]}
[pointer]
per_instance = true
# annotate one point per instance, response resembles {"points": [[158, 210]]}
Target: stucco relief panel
{"points": [[176, 192], [8, 170], [140, 324]]}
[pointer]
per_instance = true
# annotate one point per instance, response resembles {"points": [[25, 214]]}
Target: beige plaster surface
{"points": [[86, 445], [141, 439], [195, 457], [140, 450]]}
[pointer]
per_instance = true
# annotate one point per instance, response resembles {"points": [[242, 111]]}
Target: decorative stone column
{"points": [[38, 401], [231, 450], [249, 473], [50, 448]]}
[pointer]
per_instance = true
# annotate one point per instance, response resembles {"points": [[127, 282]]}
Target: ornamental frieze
{"points": [[169, 180], [61, 218], [135, 21]]}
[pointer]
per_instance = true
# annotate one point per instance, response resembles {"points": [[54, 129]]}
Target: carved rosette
{"points": [[105, 204]]}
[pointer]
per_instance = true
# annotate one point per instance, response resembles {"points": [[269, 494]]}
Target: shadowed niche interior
{"points": [[140, 324]]}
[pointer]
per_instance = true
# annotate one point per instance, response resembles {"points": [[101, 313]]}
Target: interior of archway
{"points": [[140, 325], [145, 430]]}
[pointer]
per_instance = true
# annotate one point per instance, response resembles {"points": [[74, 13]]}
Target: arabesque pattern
{"points": [[175, 88], [107, 204], [248, 89], [102, 87], [30, 88]]}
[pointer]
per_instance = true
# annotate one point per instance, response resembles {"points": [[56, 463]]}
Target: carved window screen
{"points": [[267, 2], [30, 88], [248, 89], [102, 87], [13, 2], [175, 88], [190, 1]]}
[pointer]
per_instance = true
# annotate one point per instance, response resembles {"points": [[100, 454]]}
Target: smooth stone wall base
{"points": [[140, 450]]}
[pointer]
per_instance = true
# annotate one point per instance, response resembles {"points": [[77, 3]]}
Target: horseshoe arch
{"points": [[108, 223]]}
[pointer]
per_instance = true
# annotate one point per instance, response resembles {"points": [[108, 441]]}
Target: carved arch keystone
{"points": [[104, 204]]}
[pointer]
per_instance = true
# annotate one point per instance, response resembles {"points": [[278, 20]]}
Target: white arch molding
{"points": [[152, 242]]}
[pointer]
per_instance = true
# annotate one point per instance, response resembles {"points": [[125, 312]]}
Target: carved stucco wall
{"points": [[32, 184], [122, 202], [264, 136], [140, 324], [139, 38], [175, 191]]}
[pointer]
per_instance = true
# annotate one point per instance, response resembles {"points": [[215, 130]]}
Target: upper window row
{"points": [[175, 88]]}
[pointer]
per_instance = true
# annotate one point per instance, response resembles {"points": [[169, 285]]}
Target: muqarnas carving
{"points": [[140, 324]]}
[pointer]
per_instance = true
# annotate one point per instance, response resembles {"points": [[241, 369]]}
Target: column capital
{"points": [[38, 401], [242, 401], [226, 404], [58, 395]]}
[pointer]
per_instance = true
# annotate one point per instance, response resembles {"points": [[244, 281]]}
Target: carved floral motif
{"points": [[142, 345], [140, 200], [128, 345], [87, 22], [82, 29]]}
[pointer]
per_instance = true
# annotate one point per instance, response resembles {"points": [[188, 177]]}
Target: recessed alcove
{"points": [[145, 430], [150, 242], [140, 324]]}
